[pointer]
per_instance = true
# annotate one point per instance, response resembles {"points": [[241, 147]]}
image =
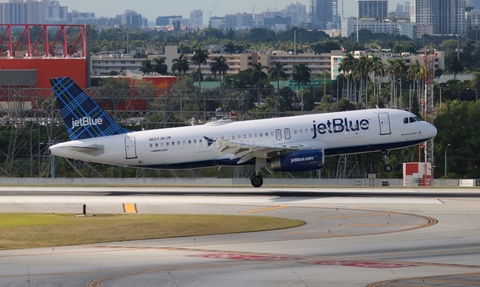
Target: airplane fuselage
{"points": [[197, 146]]}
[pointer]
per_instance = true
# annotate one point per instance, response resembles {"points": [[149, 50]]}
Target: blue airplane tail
{"points": [[82, 116]]}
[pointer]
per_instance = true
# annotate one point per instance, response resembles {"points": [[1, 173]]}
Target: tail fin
{"points": [[82, 116]]}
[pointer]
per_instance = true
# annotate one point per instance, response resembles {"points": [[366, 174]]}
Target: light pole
{"points": [[446, 150]]}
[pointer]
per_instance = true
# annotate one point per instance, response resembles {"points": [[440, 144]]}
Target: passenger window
{"points": [[178, 142], [168, 144], [200, 140], [189, 141], [184, 142], [173, 143], [233, 137], [151, 145], [161, 144], [261, 135], [194, 141]]}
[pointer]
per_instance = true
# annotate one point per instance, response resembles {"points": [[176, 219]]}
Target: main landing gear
{"points": [[387, 167], [256, 179]]}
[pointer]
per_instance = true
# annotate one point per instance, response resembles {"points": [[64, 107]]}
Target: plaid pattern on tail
{"points": [[82, 116]]}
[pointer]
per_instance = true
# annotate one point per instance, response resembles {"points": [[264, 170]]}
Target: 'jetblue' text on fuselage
{"points": [[339, 125]]}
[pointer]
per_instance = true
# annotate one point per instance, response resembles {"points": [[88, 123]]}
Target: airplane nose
{"points": [[431, 130]]}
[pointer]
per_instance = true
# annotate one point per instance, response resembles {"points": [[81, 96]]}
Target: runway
{"points": [[353, 237]]}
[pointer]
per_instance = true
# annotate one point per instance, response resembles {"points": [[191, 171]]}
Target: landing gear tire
{"points": [[256, 180], [388, 168]]}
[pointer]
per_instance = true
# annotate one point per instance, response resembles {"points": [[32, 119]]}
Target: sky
{"points": [[151, 9]]}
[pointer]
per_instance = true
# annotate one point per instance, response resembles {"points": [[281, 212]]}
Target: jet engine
{"points": [[303, 160]]}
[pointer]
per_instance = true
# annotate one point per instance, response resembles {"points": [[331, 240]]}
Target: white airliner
{"points": [[290, 144]]}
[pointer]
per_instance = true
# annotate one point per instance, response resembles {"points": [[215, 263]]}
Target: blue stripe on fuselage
{"points": [[328, 152]]}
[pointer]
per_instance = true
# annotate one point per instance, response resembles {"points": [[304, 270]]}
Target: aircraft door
{"points": [[384, 121], [130, 148]]}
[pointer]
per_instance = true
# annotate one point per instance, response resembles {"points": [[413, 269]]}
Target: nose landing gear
{"points": [[387, 167]]}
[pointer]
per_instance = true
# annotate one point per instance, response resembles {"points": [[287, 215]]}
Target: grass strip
{"points": [[35, 230]]}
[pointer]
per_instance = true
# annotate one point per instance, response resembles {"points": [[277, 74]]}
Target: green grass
{"points": [[31, 230]]}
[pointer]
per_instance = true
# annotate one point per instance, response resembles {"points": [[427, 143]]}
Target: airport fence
{"points": [[226, 182]]}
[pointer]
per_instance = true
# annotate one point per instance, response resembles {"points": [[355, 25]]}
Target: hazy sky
{"points": [[151, 9]]}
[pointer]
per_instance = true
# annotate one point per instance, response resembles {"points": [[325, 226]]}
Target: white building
{"points": [[196, 18], [297, 12], [403, 10], [239, 21], [351, 25], [32, 12], [217, 22], [473, 18]]}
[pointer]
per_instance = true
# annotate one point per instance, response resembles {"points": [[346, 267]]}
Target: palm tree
{"points": [[455, 66], [258, 76], [147, 67], [159, 66], [347, 65], [475, 84], [200, 57], [362, 70], [180, 64], [415, 73], [301, 75], [378, 70], [397, 69], [277, 73], [219, 66]]}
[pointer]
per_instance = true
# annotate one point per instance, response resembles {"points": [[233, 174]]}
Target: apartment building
{"points": [[446, 16], [372, 9]]}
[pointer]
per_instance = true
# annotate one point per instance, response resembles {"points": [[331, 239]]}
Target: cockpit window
{"points": [[411, 120]]}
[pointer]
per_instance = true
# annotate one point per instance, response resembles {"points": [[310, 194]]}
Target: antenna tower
{"points": [[428, 105]]}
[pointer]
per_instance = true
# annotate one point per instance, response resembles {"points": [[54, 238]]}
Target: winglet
{"points": [[82, 116]]}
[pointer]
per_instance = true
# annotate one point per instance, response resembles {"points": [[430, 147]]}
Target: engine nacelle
{"points": [[303, 160]]}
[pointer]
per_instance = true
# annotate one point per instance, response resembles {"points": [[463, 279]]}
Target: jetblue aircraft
{"points": [[289, 144]]}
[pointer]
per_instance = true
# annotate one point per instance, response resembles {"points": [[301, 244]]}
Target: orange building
{"points": [[75, 68], [32, 57]]}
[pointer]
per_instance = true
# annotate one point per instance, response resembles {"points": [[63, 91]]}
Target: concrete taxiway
{"points": [[353, 237]]}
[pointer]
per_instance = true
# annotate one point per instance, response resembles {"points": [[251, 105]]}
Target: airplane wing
{"points": [[247, 152]]}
